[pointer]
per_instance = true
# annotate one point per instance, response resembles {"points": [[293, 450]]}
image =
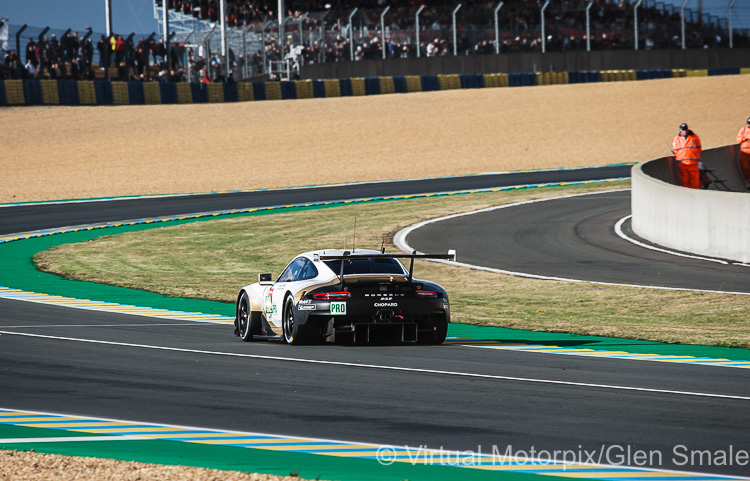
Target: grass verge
{"points": [[213, 259]]}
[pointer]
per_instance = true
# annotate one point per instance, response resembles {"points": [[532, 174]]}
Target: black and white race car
{"points": [[342, 296]]}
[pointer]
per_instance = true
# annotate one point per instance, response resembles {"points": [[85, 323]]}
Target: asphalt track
{"points": [[572, 238], [479, 398], [43, 216]]}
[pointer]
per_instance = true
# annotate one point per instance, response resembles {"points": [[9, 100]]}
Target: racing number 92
{"points": [[338, 308]]}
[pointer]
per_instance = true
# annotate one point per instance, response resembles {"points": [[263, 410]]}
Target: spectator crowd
{"points": [[72, 58], [318, 31]]}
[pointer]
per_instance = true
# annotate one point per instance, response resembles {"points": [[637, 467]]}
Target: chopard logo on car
{"points": [[386, 304], [306, 307]]}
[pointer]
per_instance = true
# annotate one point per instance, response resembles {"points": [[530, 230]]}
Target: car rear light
{"points": [[426, 294], [331, 296]]}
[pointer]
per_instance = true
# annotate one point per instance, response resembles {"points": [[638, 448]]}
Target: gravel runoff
{"points": [[31, 466]]}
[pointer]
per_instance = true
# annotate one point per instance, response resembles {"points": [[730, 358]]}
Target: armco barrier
{"points": [[711, 223], [99, 92]]}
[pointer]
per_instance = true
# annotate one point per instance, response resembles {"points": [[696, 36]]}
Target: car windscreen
{"points": [[367, 266]]}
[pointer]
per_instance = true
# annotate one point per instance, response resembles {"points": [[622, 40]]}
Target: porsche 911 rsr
{"points": [[341, 296]]}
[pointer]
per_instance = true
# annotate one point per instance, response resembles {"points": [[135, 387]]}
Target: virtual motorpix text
{"points": [[612, 455]]}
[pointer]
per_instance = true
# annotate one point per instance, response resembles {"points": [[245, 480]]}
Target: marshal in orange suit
{"points": [[686, 148]]}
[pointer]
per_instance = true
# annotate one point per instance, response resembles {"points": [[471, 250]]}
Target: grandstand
{"points": [[336, 31]]}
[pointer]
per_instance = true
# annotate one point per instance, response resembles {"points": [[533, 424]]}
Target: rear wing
{"points": [[450, 256]]}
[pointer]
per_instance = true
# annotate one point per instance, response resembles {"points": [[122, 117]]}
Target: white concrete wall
{"points": [[704, 222]]}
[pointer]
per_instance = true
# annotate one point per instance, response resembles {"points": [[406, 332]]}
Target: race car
{"points": [[336, 295]]}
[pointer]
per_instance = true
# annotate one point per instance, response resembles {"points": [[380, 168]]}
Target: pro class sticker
{"points": [[338, 308]]}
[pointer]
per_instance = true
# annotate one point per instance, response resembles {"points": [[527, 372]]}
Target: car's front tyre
{"points": [[248, 322]]}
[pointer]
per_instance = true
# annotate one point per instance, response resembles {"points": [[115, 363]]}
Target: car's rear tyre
{"points": [[294, 333], [248, 322], [440, 332]]}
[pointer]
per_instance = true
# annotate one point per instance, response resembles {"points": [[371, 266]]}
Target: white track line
{"points": [[621, 234], [385, 368]]}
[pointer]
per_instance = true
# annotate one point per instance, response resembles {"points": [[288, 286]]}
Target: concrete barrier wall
{"points": [[711, 223]]}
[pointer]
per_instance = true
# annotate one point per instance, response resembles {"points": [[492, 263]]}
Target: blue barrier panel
{"points": [[593, 76], [430, 83], [573, 78], [230, 92], [372, 85], [259, 91], [168, 92], [581, 77], [200, 93], [521, 79], [664, 73], [136, 94], [68, 92], [32, 92], [103, 90], [399, 84], [288, 90], [319, 89], [345, 87], [723, 71], [644, 74], [471, 81], [3, 99]]}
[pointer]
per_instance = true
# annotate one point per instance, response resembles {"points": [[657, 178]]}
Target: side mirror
{"points": [[264, 277]]}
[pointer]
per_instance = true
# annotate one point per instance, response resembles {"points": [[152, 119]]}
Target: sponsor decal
{"points": [[305, 301], [306, 307], [268, 302], [338, 308], [386, 304]]}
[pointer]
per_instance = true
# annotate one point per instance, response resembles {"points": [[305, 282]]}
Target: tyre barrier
{"points": [[101, 92]]}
